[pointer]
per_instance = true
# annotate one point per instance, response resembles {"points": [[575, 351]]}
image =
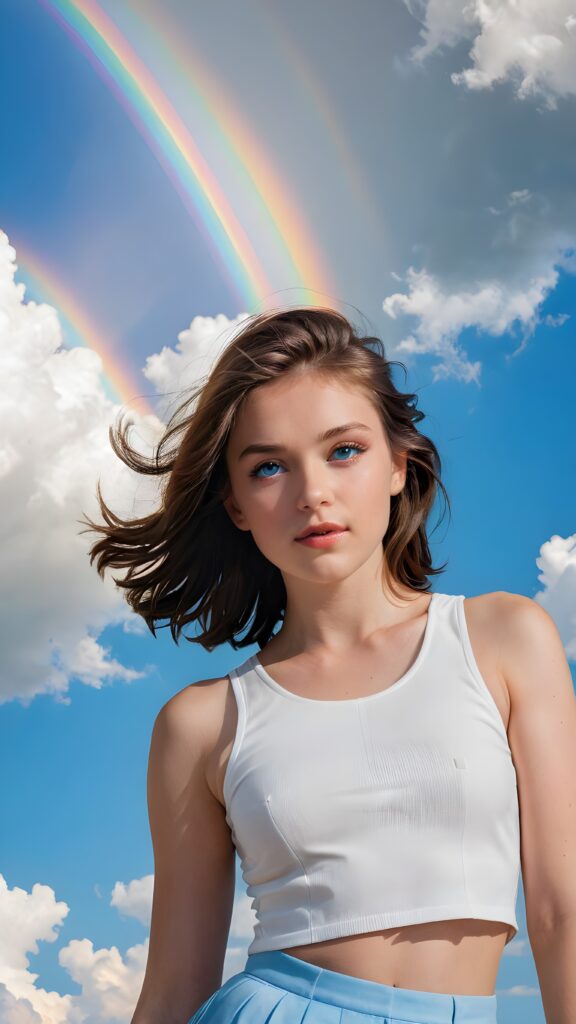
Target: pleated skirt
{"points": [[276, 988]]}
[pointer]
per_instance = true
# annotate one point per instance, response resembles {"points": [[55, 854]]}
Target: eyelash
{"points": [[359, 448]]}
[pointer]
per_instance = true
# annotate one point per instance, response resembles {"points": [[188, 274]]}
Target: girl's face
{"points": [[347, 478]]}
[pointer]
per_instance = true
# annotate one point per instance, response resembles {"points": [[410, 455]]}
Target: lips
{"points": [[320, 529]]}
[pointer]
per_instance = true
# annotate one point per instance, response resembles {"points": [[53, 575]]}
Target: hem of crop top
{"points": [[386, 919]]}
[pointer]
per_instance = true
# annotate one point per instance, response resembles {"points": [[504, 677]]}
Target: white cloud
{"points": [[110, 982], [134, 899], [527, 41], [54, 446], [520, 991], [521, 195], [444, 23], [16, 1011], [27, 918], [173, 371], [557, 564], [441, 316], [556, 321], [54, 420]]}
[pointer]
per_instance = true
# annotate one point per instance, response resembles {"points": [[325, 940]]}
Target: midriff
{"points": [[457, 957]]}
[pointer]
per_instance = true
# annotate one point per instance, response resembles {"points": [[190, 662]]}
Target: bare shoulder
{"points": [[203, 715], [482, 614], [500, 609], [200, 692], [196, 710], [517, 628]]}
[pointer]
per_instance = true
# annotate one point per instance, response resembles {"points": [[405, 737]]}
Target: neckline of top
{"points": [[255, 664]]}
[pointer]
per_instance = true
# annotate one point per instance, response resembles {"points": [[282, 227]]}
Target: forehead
{"points": [[301, 407]]}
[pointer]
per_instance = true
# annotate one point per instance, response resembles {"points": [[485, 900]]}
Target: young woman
{"points": [[369, 762]]}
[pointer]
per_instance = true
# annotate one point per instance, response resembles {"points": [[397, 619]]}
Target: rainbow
{"points": [[271, 194], [46, 287], [135, 88], [320, 100]]}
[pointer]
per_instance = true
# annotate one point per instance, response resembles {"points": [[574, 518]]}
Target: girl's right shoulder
{"points": [[194, 716]]}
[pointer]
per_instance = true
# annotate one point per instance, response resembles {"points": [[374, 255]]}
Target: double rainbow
{"points": [[139, 93]]}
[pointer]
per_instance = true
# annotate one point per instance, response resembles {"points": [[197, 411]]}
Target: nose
{"points": [[314, 489]]}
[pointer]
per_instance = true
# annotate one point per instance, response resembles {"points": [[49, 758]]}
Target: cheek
{"points": [[370, 501], [371, 482], [264, 510], [263, 502]]}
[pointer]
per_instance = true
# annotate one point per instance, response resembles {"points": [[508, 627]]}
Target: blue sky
{"points": [[431, 161]]}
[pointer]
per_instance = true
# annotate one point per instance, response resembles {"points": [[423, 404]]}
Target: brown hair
{"points": [[187, 561]]}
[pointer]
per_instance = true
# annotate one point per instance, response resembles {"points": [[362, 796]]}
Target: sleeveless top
{"points": [[397, 808]]}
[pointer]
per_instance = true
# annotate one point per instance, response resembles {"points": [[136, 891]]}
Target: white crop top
{"points": [[397, 808]]}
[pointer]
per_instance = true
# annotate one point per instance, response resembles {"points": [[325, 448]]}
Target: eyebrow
{"points": [[332, 432]]}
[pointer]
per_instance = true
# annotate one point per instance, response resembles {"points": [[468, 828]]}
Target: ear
{"points": [[236, 515], [398, 479]]}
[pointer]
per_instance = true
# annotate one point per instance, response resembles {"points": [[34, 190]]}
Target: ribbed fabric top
{"points": [[397, 808]]}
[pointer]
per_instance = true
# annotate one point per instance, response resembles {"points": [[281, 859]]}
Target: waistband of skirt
{"points": [[345, 990]]}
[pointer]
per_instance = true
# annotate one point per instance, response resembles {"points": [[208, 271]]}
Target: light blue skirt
{"points": [[276, 988]]}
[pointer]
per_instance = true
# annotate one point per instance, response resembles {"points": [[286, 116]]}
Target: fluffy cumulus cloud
{"points": [[109, 982], [134, 899], [27, 918], [54, 420], [487, 223], [54, 447], [173, 371], [531, 43], [557, 564], [16, 1011], [441, 316]]}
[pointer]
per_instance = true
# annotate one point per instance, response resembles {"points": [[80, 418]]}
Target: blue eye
{"points": [[351, 447]]}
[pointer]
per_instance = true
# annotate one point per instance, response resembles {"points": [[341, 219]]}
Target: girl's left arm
{"points": [[542, 738]]}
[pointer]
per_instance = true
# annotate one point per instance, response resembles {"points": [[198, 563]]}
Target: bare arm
{"points": [[193, 864], [542, 735]]}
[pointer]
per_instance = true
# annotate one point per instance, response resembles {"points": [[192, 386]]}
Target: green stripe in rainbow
{"points": [[157, 120], [46, 287]]}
